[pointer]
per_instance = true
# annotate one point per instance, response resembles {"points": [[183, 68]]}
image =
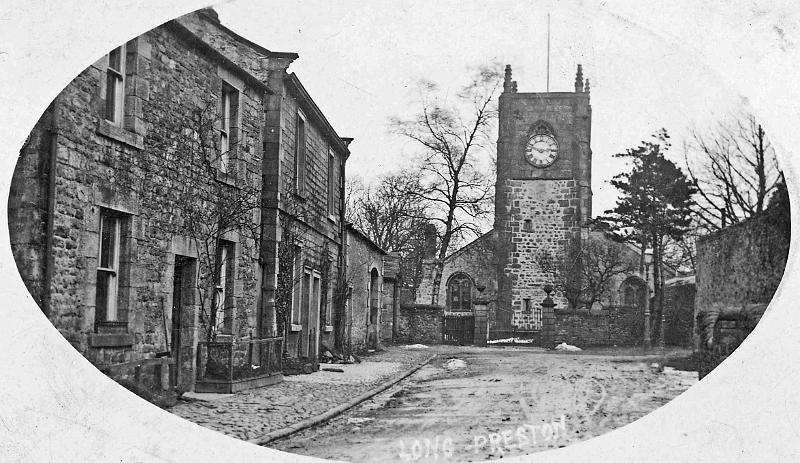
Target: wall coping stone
{"points": [[110, 340], [595, 313], [422, 307]]}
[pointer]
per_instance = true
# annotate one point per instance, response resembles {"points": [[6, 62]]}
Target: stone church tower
{"points": [[543, 194]]}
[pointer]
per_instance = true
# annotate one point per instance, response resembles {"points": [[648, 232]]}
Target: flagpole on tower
{"points": [[548, 52]]}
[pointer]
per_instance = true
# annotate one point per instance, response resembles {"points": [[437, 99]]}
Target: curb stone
{"points": [[338, 410]]}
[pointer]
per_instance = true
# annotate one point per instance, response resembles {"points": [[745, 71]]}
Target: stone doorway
{"points": [[182, 333], [310, 306]]}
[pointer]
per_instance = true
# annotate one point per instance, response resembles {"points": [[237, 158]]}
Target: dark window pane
{"points": [[111, 97], [101, 301], [305, 293], [107, 242], [115, 59]]}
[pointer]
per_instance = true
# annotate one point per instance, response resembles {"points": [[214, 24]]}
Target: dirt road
{"points": [[472, 404]]}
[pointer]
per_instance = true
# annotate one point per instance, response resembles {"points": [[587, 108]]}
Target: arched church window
{"points": [[460, 293], [633, 292]]}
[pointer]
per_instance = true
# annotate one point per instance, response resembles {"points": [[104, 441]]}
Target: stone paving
{"points": [[249, 414]]}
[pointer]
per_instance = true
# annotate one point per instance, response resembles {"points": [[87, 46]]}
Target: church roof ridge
{"points": [[471, 243]]}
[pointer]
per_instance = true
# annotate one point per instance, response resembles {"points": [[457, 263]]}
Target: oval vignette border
{"points": [[56, 405]]}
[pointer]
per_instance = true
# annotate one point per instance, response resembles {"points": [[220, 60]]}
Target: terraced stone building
{"points": [[153, 202]]}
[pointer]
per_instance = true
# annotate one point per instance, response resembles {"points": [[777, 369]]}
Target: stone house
{"points": [[150, 202], [365, 282], [303, 203], [306, 198]]}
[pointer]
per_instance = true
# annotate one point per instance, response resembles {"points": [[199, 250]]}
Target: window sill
{"points": [[328, 328], [110, 340], [332, 219], [295, 328], [225, 177], [119, 134]]}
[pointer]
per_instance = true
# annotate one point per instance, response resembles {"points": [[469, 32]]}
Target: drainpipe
{"points": [[51, 206], [395, 304]]}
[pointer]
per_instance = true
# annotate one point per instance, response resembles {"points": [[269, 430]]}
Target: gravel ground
{"points": [[472, 404], [249, 414]]}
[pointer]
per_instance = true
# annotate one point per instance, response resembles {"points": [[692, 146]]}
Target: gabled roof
{"points": [[472, 243], [211, 15], [187, 35], [363, 237], [307, 103]]}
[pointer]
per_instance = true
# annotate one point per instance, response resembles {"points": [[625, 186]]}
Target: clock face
{"points": [[541, 150]]}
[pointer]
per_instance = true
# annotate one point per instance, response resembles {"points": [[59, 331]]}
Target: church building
{"points": [[543, 199]]}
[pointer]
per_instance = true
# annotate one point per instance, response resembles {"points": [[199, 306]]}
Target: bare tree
{"points": [[585, 272], [387, 213], [354, 188], [216, 196], [734, 169], [453, 134], [393, 218], [681, 254]]}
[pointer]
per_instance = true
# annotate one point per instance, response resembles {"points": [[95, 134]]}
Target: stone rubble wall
{"points": [[361, 259], [679, 315], [420, 324], [614, 326], [739, 269], [547, 204], [135, 170]]}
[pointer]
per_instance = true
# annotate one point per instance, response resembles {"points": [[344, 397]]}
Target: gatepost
{"points": [[481, 311], [548, 318]]}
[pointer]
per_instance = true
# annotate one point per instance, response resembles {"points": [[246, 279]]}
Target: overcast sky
{"points": [[360, 61]]}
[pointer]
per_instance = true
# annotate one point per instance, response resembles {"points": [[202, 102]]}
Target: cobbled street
{"points": [[472, 404], [253, 413]]}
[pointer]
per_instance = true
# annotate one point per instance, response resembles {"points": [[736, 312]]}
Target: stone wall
{"points": [[743, 263], [135, 171], [304, 212], [420, 324], [739, 269], [362, 259], [679, 312], [387, 309], [582, 328], [546, 204], [614, 326], [28, 208]]}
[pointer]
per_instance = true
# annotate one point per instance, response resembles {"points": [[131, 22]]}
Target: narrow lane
{"points": [[472, 404]]}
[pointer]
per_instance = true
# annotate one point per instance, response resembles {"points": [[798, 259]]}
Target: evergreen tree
{"points": [[654, 205]]}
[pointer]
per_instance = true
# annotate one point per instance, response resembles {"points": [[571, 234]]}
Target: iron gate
{"points": [[458, 329]]}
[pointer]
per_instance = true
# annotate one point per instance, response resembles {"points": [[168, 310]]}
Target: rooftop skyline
{"points": [[361, 61]]}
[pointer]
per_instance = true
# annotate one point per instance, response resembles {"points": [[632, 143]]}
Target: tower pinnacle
{"points": [[507, 83], [579, 79]]}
